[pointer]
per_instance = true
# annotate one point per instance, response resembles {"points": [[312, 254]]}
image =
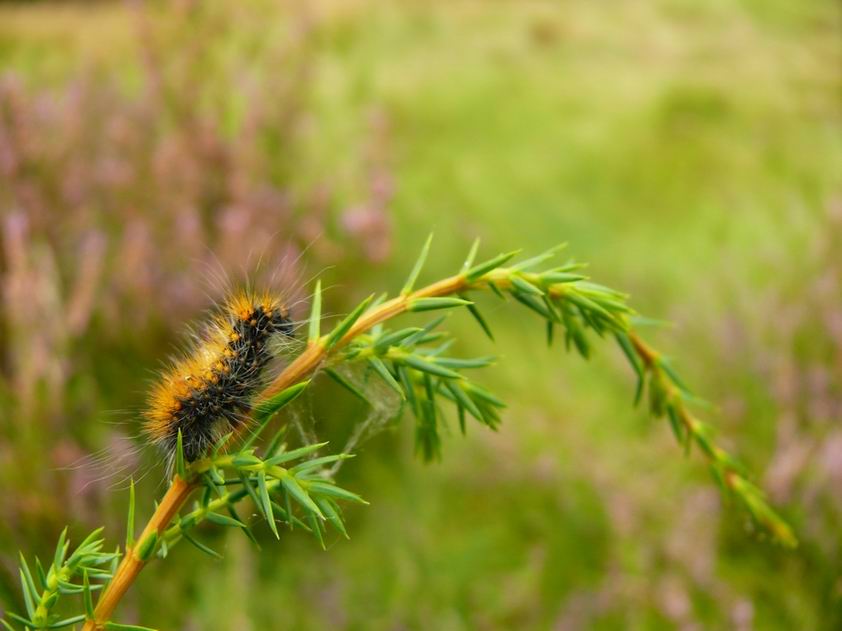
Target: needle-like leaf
{"points": [[130, 518], [345, 325], [416, 269], [314, 327]]}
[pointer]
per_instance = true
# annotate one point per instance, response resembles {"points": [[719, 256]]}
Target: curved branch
{"points": [[556, 297]]}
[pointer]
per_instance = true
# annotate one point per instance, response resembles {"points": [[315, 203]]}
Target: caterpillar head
{"points": [[264, 312]]}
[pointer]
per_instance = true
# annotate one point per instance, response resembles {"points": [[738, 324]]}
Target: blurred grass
{"points": [[677, 146]]}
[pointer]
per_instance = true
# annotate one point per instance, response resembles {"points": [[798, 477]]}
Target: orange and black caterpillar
{"points": [[208, 392]]}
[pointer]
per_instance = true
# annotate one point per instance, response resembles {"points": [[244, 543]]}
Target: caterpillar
{"points": [[207, 392]]}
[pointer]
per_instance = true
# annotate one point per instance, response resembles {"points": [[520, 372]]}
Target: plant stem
{"points": [[132, 564], [717, 458], [316, 352]]}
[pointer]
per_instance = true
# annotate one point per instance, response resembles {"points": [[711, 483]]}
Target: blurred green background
{"points": [[690, 151]]}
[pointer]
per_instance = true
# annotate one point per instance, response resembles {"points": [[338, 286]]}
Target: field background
{"points": [[691, 152]]}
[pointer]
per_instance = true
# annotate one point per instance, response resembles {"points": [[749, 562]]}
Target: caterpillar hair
{"points": [[207, 393]]}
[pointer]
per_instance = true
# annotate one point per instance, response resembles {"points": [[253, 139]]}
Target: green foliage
{"points": [[43, 590], [414, 362], [412, 359], [299, 495], [266, 410]]}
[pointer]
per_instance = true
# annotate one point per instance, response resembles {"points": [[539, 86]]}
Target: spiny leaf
{"points": [[246, 530], [40, 574], [48, 600], [67, 622], [537, 260], [460, 362], [408, 387], [331, 490], [628, 350], [419, 335], [677, 426], [666, 366], [224, 520], [639, 322], [61, 549], [115, 560], [330, 511], [265, 410], [586, 304], [27, 595], [266, 503], [432, 304], [427, 440], [472, 254], [483, 394], [463, 399], [559, 278], [179, 457], [295, 454], [288, 504], [89, 542], [247, 461], [345, 383], [525, 286], [301, 496], [429, 367], [480, 270], [146, 547], [595, 289], [377, 329], [21, 619], [275, 443], [345, 325], [532, 302], [496, 290], [552, 308], [198, 544], [638, 391], [317, 529], [381, 369], [315, 314], [250, 490], [287, 517], [29, 582], [395, 338], [416, 270], [216, 480], [219, 444], [70, 588], [307, 465], [89, 601], [130, 517], [472, 309]]}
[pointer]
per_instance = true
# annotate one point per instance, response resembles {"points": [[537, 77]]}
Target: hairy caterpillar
{"points": [[207, 392]]}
